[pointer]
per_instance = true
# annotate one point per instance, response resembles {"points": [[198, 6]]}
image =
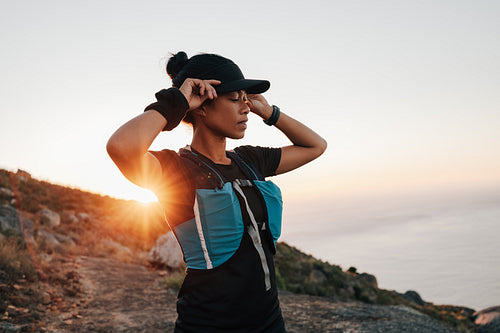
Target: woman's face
{"points": [[227, 115]]}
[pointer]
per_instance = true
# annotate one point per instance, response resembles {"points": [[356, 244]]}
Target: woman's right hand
{"points": [[198, 91]]}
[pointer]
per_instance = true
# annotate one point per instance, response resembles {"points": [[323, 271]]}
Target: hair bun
{"points": [[175, 63]]}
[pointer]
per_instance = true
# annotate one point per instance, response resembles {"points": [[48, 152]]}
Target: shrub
{"points": [[15, 261], [4, 179], [174, 280], [301, 273]]}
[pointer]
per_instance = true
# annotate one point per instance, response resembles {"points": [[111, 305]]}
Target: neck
{"points": [[211, 146]]}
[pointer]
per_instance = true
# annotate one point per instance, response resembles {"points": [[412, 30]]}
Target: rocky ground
{"points": [[72, 261], [121, 297], [316, 314]]}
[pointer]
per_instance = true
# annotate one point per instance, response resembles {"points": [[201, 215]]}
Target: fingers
{"points": [[197, 91], [213, 82], [202, 87], [208, 84]]}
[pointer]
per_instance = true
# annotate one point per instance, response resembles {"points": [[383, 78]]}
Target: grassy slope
{"points": [[124, 222]]}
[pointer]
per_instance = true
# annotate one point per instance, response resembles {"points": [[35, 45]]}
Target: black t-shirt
{"points": [[232, 296]]}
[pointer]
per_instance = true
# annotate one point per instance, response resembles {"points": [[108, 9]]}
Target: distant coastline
{"points": [[435, 245], [48, 229]]}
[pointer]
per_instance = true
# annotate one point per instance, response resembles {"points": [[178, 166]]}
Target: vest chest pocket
{"points": [[274, 204], [218, 226]]}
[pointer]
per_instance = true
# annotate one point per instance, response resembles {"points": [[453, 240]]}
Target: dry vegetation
{"points": [[39, 279]]}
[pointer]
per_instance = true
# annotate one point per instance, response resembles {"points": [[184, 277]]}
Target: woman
{"points": [[223, 212]]}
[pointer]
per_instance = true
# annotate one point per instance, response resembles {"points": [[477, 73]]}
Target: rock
{"points": [[370, 279], [69, 218], [47, 258], [6, 195], [65, 316], [10, 328], [316, 277], [304, 313], [117, 247], [406, 309], [413, 297], [492, 327], [83, 217], [47, 237], [64, 239], [17, 222], [487, 315], [45, 298], [166, 252], [49, 218], [24, 175], [9, 219]]}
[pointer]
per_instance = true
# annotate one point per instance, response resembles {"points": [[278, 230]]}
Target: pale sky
{"points": [[405, 92]]}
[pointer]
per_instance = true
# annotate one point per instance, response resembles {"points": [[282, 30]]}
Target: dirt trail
{"points": [[120, 297]]}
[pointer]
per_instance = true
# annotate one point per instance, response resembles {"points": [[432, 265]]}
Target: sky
{"points": [[405, 92]]}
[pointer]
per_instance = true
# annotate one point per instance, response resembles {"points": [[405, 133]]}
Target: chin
{"points": [[236, 136]]}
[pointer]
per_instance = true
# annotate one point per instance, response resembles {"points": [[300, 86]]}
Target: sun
{"points": [[142, 195]]}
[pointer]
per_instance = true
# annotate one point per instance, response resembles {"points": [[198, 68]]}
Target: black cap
{"points": [[213, 67], [232, 79]]}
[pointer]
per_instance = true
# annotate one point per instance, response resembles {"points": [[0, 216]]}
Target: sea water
{"points": [[444, 246]]}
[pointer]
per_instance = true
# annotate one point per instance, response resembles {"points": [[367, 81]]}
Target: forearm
{"points": [[307, 144], [299, 134]]}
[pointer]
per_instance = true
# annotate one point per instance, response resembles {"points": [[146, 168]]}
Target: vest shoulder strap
{"points": [[205, 163], [198, 161], [250, 172]]}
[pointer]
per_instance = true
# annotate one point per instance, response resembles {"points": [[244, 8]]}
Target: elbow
{"points": [[115, 150], [321, 147], [112, 148]]}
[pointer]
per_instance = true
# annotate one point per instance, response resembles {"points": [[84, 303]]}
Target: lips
{"points": [[243, 123]]}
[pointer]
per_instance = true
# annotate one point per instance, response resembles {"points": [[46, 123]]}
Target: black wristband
{"points": [[172, 105], [274, 116]]}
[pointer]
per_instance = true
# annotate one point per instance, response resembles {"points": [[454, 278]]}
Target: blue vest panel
{"points": [[217, 228], [274, 205]]}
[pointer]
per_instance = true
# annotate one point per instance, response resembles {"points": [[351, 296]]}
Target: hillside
{"points": [[67, 255]]}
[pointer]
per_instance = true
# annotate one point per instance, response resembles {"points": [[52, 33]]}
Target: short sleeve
{"points": [[265, 159], [168, 159], [175, 192]]}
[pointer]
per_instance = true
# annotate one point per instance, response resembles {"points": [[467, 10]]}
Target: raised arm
{"points": [[307, 144], [128, 146]]}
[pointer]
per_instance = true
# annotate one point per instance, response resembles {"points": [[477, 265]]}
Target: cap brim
{"points": [[249, 85]]}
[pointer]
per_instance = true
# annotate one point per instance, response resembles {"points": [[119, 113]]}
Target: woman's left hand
{"points": [[259, 105]]}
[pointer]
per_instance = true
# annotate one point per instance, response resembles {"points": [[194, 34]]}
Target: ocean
{"points": [[445, 246]]}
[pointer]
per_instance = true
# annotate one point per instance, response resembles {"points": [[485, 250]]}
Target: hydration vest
{"points": [[214, 234]]}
